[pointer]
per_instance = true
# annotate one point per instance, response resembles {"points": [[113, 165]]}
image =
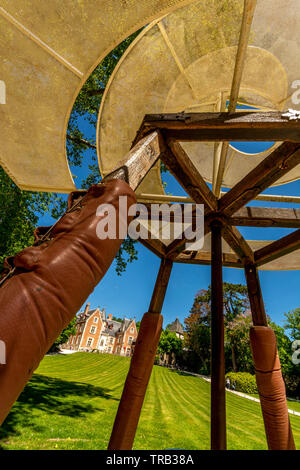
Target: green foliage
{"points": [[19, 215], [244, 382], [169, 343], [117, 319], [237, 323], [64, 336], [126, 254], [284, 345], [293, 323], [237, 342]]}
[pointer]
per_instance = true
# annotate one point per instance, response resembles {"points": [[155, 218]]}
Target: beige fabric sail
{"points": [[185, 62], [47, 50]]}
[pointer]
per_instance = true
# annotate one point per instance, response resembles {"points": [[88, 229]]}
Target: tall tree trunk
{"points": [[233, 358]]}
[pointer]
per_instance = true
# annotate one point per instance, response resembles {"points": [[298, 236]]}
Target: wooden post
{"points": [[259, 317], [135, 387], [218, 406], [269, 378]]}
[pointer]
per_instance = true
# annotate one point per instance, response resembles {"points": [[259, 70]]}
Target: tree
{"points": [[197, 340], [237, 342], [19, 215], [169, 344], [119, 319], [64, 336], [284, 348], [292, 323], [236, 308]]}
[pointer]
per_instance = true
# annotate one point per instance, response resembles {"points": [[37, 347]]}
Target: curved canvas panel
{"points": [[48, 51], [185, 62]]}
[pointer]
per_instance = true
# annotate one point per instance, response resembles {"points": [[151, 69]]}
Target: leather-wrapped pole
{"points": [[50, 282], [271, 388], [135, 387]]}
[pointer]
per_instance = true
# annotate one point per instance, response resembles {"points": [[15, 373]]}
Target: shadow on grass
{"points": [[53, 396]]}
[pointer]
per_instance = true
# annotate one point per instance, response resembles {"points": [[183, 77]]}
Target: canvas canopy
{"points": [[190, 61], [187, 62], [48, 50]]}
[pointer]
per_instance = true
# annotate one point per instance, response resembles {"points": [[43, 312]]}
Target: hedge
{"points": [[244, 382]]}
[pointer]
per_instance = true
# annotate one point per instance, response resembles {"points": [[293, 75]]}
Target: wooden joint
{"points": [[216, 218]]}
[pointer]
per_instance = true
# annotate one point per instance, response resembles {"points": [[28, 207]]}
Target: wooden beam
{"points": [[248, 216], [182, 167], [248, 13], [154, 245], [279, 248], [169, 198], [136, 164], [218, 127], [161, 285], [259, 317], [273, 167], [189, 177], [237, 242], [266, 217], [229, 260], [218, 405]]}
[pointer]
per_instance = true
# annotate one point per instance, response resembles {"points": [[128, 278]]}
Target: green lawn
{"points": [[71, 401]]}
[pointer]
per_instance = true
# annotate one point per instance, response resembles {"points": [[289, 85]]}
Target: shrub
{"points": [[244, 382]]}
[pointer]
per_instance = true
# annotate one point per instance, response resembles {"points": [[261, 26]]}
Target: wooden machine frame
{"points": [[158, 138]]}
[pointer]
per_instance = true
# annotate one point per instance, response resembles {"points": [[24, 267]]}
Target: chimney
{"points": [[109, 316], [86, 309]]}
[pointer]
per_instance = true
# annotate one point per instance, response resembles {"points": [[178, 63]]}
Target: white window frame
{"points": [[93, 328], [89, 345]]}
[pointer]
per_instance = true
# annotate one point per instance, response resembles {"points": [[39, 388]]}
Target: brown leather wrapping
{"points": [[50, 283], [271, 388], [130, 406]]}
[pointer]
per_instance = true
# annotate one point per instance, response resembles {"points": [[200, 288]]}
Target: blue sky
{"points": [[129, 294]]}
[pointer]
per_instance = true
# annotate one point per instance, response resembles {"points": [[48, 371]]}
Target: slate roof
{"points": [[89, 313], [112, 327], [176, 326]]}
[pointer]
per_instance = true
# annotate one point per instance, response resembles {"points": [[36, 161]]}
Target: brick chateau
{"points": [[96, 331]]}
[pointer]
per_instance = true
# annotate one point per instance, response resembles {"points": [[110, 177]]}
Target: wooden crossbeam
{"points": [[239, 245], [229, 260], [266, 173], [189, 177], [248, 216], [154, 245], [279, 248], [181, 166], [266, 217], [248, 14], [218, 127]]}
